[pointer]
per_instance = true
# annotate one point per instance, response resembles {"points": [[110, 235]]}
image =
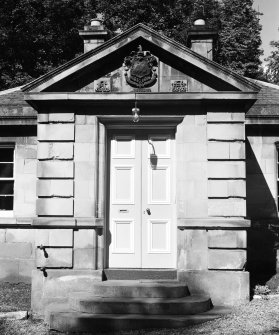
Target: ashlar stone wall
{"points": [[211, 204], [17, 246], [226, 163]]}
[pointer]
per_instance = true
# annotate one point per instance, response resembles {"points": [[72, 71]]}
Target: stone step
{"points": [[137, 274], [72, 322], [145, 306], [139, 289]]}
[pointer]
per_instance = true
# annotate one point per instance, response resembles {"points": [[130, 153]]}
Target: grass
{"points": [[259, 317]]}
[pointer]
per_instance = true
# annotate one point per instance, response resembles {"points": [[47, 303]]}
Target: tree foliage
{"points": [[272, 70], [239, 38], [38, 35]]}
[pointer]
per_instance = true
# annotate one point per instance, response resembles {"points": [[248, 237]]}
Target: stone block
{"points": [[237, 188], [192, 152], [55, 188], [268, 151], [61, 238], [54, 221], [57, 150], [55, 169], [226, 131], [56, 258], [196, 208], [84, 258], [25, 151], [192, 190], [218, 188], [192, 249], [226, 188], [56, 132], [237, 150], [218, 150], [30, 194], [195, 171], [226, 169], [19, 166], [9, 270], [84, 238], [225, 117], [194, 134], [58, 284], [54, 237], [221, 259], [225, 288], [84, 208], [91, 119], [232, 207], [18, 250], [227, 239], [270, 166], [20, 235], [90, 222], [200, 119], [30, 166], [85, 171], [24, 209], [43, 117], [42, 237], [85, 133], [85, 189], [2, 235], [80, 119], [25, 270], [62, 117], [55, 206], [85, 151]]}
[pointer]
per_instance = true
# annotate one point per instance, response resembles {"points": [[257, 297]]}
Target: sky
{"points": [[269, 21]]}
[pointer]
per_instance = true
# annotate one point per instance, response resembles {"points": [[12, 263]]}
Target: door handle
{"points": [[148, 211]]}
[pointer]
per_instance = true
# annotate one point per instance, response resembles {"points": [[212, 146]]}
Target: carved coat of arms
{"points": [[140, 69]]}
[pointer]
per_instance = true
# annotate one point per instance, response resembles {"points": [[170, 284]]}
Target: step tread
{"points": [[61, 310], [141, 283], [83, 322], [210, 313], [188, 299]]}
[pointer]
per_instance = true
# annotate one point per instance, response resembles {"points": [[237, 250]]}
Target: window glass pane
{"points": [[6, 187], [6, 202], [6, 170], [6, 154]]}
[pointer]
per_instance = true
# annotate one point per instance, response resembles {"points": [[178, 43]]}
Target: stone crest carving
{"points": [[140, 69]]}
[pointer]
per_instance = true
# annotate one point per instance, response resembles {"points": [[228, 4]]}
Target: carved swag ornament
{"points": [[140, 69]]}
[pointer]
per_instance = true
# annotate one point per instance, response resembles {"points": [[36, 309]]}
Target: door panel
{"points": [[158, 225], [142, 222]]}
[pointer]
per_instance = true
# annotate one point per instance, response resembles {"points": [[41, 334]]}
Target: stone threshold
{"points": [[54, 222], [212, 223]]}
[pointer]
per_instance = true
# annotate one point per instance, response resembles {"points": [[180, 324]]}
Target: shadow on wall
{"points": [[262, 210]]}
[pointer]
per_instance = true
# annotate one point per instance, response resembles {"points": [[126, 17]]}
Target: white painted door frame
{"points": [[155, 236]]}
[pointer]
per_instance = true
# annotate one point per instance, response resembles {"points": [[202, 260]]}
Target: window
{"points": [[6, 177], [277, 163]]}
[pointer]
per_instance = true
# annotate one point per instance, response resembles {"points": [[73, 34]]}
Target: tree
{"points": [[272, 70], [38, 35], [239, 38]]}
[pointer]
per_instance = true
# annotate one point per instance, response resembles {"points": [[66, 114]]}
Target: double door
{"points": [[141, 211]]}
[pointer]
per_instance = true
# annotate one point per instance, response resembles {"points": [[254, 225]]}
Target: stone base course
{"points": [[226, 288], [58, 284]]}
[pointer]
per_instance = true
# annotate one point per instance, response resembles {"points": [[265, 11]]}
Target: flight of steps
{"points": [[132, 304]]}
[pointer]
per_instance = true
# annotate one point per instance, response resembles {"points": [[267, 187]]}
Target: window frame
{"points": [[9, 212]]}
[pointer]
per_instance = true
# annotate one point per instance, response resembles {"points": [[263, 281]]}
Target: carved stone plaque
{"points": [[140, 69], [179, 86]]}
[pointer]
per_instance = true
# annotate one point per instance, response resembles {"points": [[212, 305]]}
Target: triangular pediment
{"points": [[108, 58]]}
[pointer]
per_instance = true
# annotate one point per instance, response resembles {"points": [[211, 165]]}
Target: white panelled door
{"points": [[142, 225]]}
